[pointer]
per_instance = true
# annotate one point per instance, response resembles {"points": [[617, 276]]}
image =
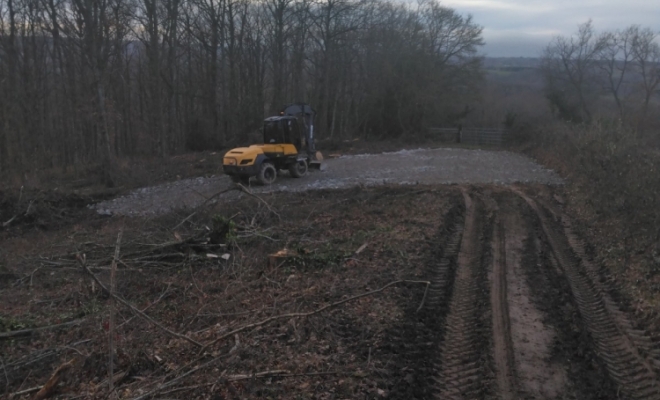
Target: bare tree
{"points": [[86, 81], [646, 55], [208, 29], [615, 57], [331, 21], [159, 34], [92, 27], [625, 63], [11, 132], [280, 13], [569, 66]]}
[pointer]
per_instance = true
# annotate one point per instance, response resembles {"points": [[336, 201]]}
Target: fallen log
{"points": [[29, 332], [49, 388]]}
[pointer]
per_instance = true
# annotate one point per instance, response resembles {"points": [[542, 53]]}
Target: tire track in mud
{"points": [[442, 278], [415, 342], [502, 343], [539, 324], [541, 339], [460, 366], [648, 350], [623, 351]]}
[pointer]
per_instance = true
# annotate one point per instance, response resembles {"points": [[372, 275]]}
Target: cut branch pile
{"points": [[199, 309]]}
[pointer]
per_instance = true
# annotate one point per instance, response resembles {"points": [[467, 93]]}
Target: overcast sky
{"points": [[521, 28]]}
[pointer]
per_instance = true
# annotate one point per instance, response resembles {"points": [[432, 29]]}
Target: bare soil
{"points": [[540, 376], [403, 292]]}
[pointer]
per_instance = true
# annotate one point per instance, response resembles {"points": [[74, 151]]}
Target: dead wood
{"points": [[360, 250], [29, 332], [171, 382], [185, 388], [111, 326], [241, 377], [116, 378], [6, 224], [178, 378], [277, 259], [4, 369], [248, 192], [426, 292], [27, 212], [25, 391], [278, 373], [207, 201], [161, 297], [38, 357], [137, 312], [307, 314], [48, 388]]}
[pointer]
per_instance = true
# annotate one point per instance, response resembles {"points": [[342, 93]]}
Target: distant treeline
{"points": [[587, 72], [87, 81], [511, 69]]}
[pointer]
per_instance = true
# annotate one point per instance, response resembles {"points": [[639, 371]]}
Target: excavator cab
{"points": [[283, 130], [288, 145]]}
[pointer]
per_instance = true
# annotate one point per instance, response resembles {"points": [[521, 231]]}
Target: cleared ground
{"points": [[406, 167], [467, 291]]}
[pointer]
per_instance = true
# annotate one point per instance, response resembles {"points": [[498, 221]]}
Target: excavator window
{"points": [[273, 132], [285, 130]]}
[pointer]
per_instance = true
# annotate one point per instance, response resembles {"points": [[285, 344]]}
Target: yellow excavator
{"points": [[288, 145]]}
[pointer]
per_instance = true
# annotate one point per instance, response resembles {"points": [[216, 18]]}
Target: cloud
{"points": [[489, 5], [514, 27]]}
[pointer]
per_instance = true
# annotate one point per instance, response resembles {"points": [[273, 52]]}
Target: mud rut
{"points": [[517, 310]]}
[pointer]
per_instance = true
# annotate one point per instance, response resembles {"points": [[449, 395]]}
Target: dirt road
{"points": [[519, 311], [406, 167]]}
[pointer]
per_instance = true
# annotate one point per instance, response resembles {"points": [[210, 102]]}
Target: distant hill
{"points": [[516, 73], [511, 63]]}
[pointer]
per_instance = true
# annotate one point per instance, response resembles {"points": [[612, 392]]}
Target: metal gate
{"points": [[473, 136]]}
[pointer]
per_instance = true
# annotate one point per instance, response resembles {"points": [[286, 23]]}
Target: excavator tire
{"points": [[267, 174], [299, 169]]}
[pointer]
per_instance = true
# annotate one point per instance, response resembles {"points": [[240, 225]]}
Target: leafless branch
{"points": [[137, 312], [207, 201], [6, 224], [111, 327], [178, 378], [28, 332], [307, 314], [25, 391], [248, 192], [241, 377]]}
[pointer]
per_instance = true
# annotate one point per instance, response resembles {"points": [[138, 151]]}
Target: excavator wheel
{"points": [[299, 169], [267, 174]]}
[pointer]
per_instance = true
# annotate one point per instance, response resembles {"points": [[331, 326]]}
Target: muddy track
{"points": [[461, 365], [645, 346], [516, 310], [502, 343], [414, 343], [626, 353]]}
